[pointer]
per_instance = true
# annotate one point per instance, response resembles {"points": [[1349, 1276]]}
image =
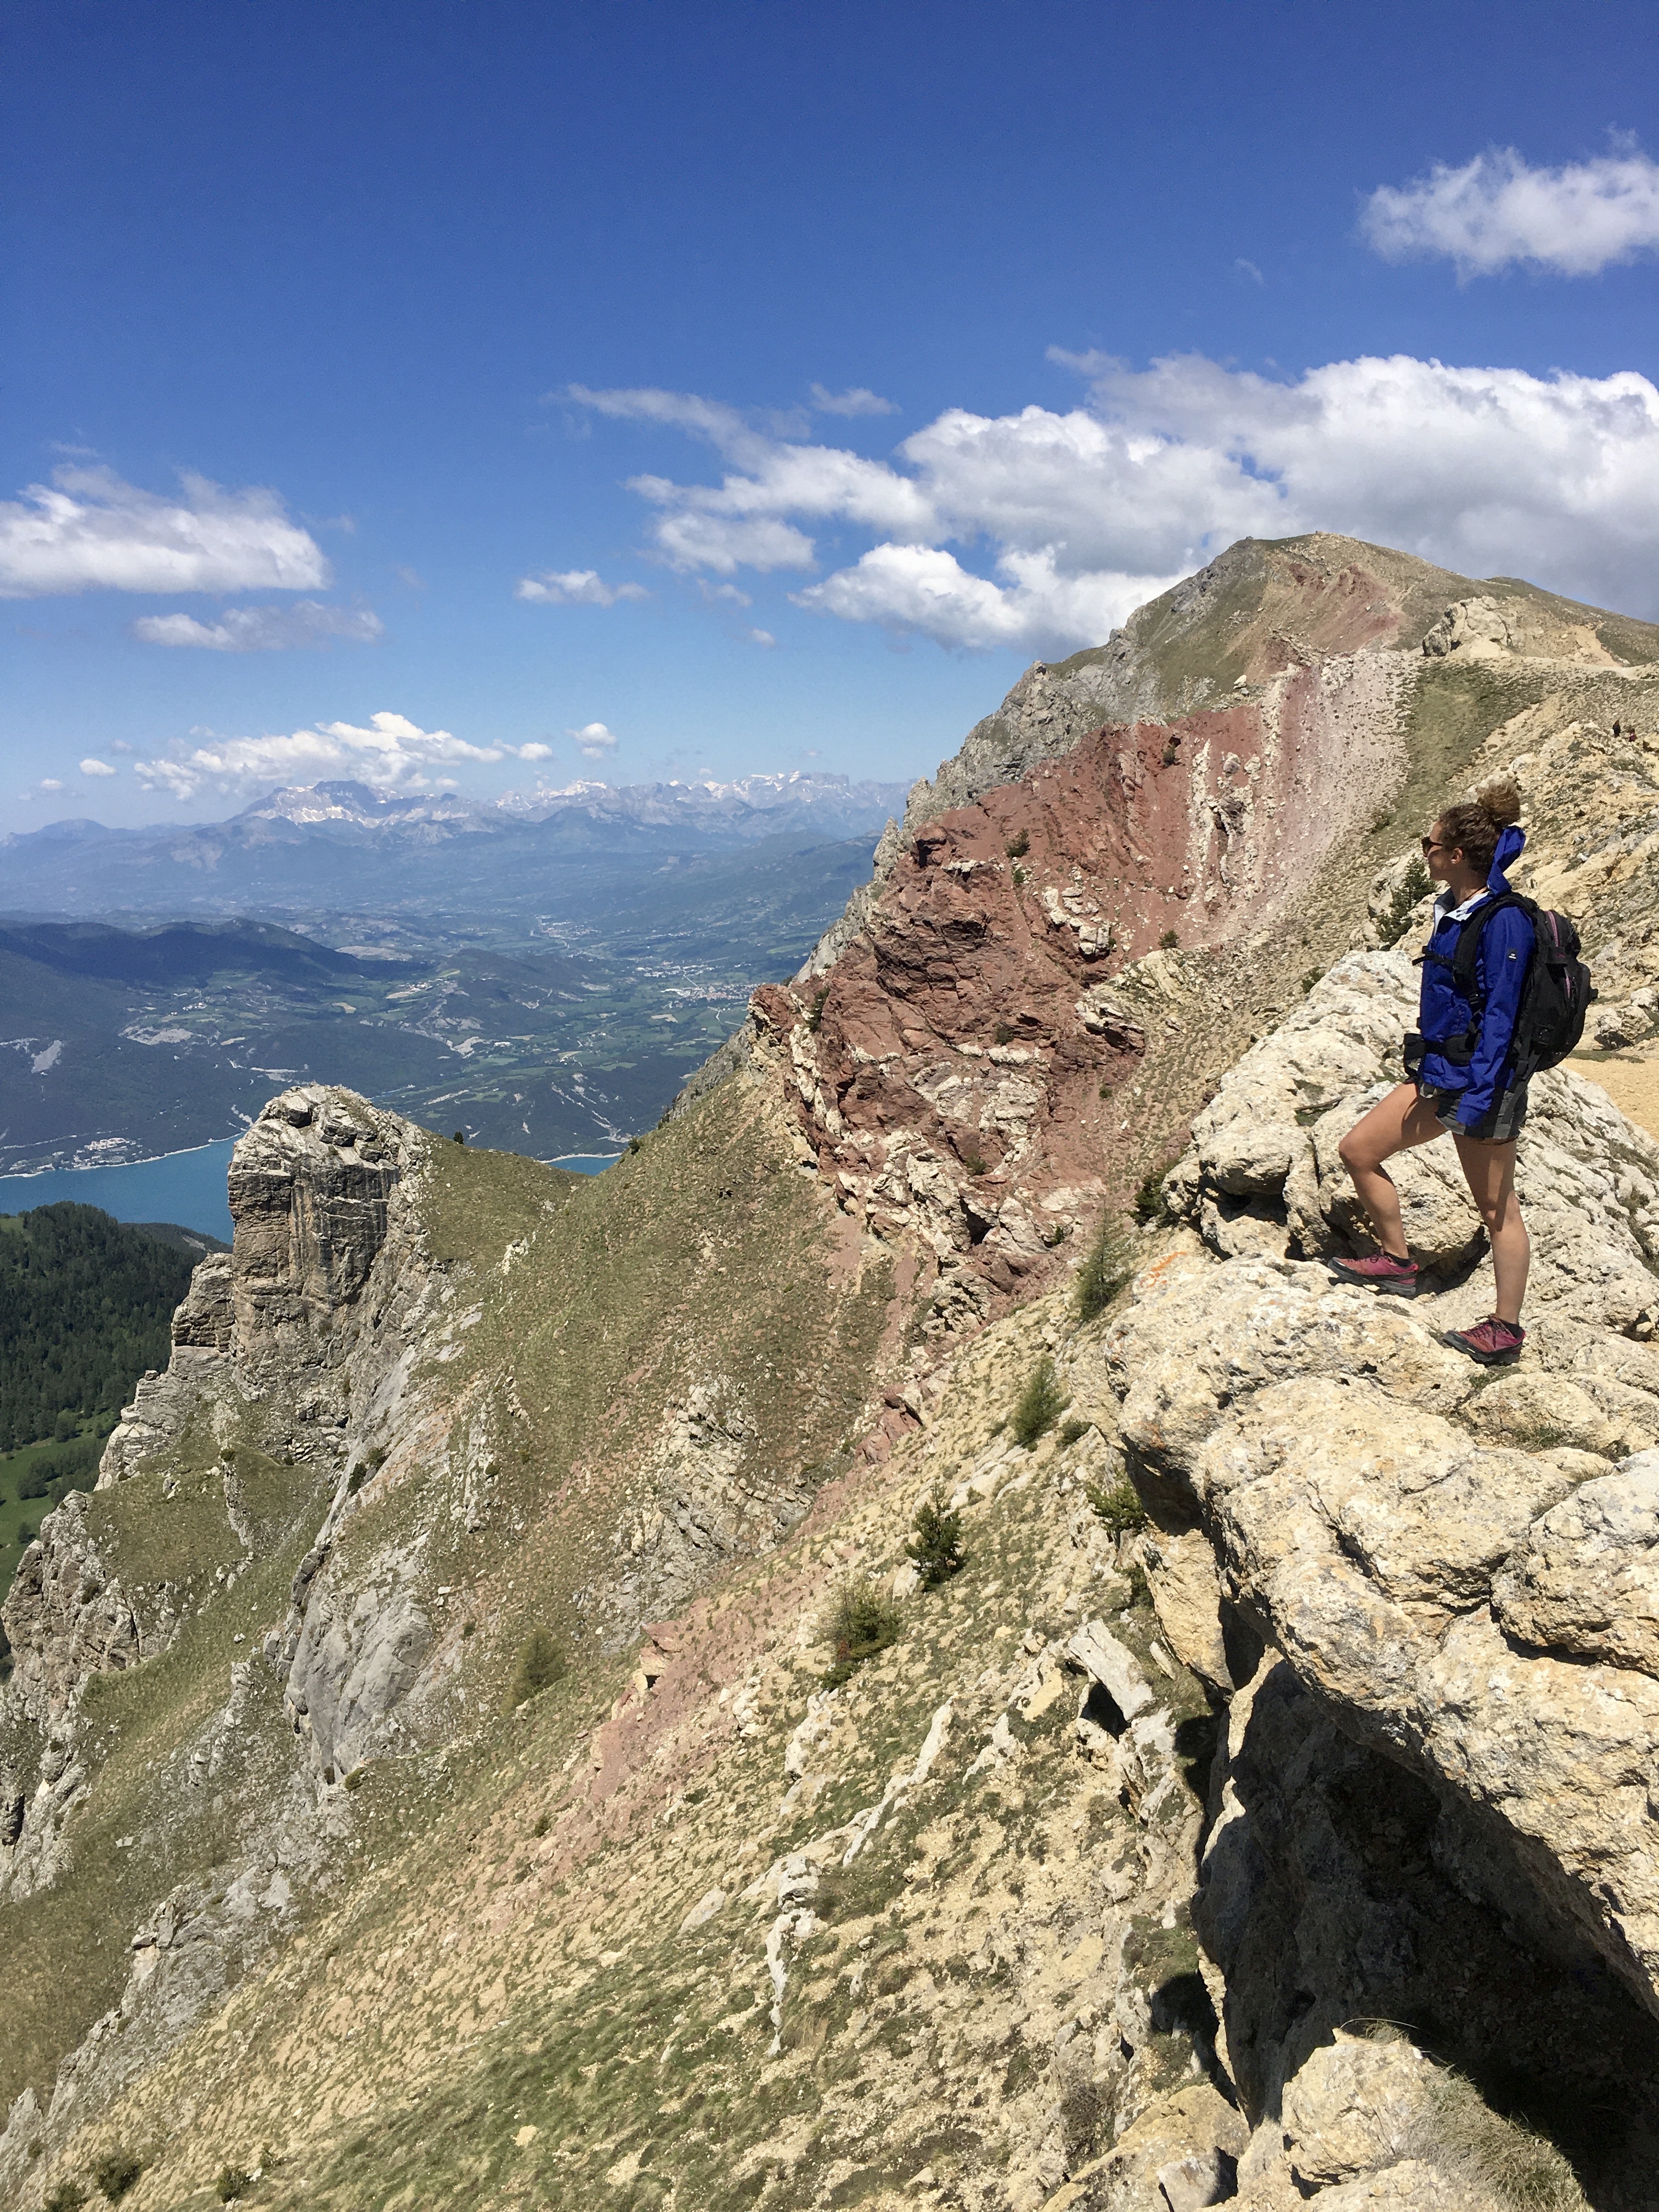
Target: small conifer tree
{"points": [[1119, 1507], [935, 1551], [117, 2171], [1040, 1404], [1107, 1266], [863, 1620], [541, 1662]]}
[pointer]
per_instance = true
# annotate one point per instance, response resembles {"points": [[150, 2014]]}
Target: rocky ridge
{"points": [[1259, 610], [1050, 968]]}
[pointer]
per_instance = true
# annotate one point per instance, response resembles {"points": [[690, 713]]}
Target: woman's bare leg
{"points": [[1398, 1123], [1490, 1169]]}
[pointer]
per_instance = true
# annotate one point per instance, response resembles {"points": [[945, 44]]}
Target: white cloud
{"points": [[859, 401], [1081, 516], [738, 523], [1248, 269], [594, 740], [682, 410], [87, 531], [264, 629], [925, 588], [574, 587], [1497, 210], [1487, 471], [536, 752], [761, 637], [692, 540], [391, 752], [50, 783], [96, 768], [715, 593]]}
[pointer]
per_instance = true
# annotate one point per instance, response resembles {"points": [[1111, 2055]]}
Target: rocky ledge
{"points": [[1460, 1566]]}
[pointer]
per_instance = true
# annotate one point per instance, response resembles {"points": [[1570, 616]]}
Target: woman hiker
{"points": [[1479, 1103]]}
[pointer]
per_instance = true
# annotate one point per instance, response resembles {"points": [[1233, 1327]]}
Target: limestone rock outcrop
{"points": [[1429, 1559], [286, 1352], [1475, 628], [313, 1190]]}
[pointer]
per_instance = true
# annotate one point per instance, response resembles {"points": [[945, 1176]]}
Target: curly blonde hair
{"points": [[1476, 823]]}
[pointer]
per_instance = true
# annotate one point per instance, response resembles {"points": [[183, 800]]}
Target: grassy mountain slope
{"points": [[698, 1266]]}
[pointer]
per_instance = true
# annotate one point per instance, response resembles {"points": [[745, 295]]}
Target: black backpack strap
{"points": [[1464, 962]]}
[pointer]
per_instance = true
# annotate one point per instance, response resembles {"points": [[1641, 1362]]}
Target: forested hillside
{"points": [[85, 1304]]}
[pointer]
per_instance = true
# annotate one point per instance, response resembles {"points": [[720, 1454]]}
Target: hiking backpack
{"points": [[1554, 999]]}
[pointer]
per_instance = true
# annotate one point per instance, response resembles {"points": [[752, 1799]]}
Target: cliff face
{"points": [[958, 1065], [1291, 1841]]}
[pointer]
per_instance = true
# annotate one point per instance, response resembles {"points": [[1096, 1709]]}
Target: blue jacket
{"points": [[1444, 1017]]}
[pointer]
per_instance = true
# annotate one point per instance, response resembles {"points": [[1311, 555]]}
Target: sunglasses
{"points": [[1431, 845]]}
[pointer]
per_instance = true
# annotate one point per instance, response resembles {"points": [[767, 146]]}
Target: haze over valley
{"points": [[543, 976]]}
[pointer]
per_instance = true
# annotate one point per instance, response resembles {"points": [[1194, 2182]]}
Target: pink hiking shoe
{"points": [[1379, 1271], [1494, 1343]]}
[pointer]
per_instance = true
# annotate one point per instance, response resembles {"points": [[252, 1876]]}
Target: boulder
{"points": [[1474, 630], [1178, 2155], [1353, 2107], [1536, 1411], [1097, 1653], [1200, 1337], [1585, 1581], [1323, 1212]]}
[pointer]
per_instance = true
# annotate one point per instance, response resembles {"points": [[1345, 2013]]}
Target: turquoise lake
{"points": [[188, 1187]]}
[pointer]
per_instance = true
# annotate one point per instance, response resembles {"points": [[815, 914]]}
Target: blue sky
{"points": [[498, 330]]}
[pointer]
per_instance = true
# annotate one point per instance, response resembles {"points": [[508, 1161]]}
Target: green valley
{"points": [[539, 1033]]}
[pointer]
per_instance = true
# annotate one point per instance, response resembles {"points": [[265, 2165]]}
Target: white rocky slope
{"points": [[1453, 1569]]}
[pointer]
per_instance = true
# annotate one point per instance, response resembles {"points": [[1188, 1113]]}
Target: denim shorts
{"points": [[1497, 1127]]}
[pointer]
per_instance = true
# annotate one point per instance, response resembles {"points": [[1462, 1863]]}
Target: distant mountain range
{"points": [[752, 806], [346, 848]]}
